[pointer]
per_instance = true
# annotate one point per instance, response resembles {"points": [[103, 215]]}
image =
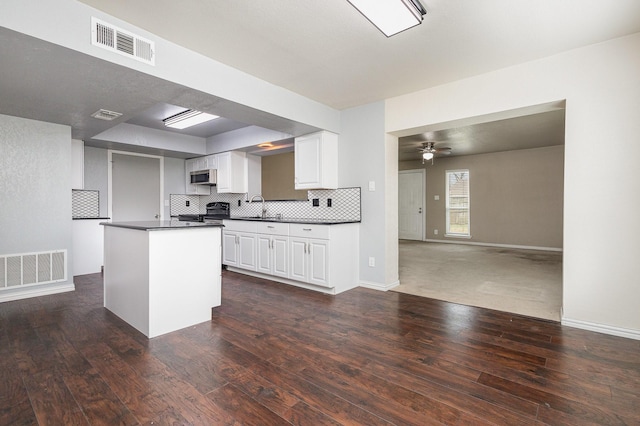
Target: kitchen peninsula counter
{"points": [[304, 221], [159, 282]]}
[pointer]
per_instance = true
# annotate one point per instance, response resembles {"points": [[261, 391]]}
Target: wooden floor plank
{"points": [[278, 354]]}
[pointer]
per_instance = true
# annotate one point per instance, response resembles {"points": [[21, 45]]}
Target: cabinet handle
{"points": [[307, 229], [270, 227]]}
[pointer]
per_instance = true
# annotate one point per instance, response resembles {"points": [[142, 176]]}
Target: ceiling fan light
{"points": [[427, 155]]}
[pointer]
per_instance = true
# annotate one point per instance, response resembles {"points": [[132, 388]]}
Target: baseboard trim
{"points": [[602, 328], [37, 292], [513, 246], [379, 286]]}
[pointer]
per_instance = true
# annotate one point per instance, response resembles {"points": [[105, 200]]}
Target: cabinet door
{"points": [[307, 162], [232, 172], [229, 248], [264, 254], [247, 251], [298, 256], [211, 162], [316, 161], [318, 262], [280, 255]]}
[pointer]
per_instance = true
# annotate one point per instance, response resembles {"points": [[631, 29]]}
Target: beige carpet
{"points": [[527, 282]]}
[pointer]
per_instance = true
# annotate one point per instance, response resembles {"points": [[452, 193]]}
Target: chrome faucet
{"points": [[264, 210]]}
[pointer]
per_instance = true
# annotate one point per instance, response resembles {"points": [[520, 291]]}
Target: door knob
{"points": [[157, 215]]}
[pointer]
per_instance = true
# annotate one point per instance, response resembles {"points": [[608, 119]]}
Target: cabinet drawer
{"points": [[240, 225], [274, 228], [309, 231]]}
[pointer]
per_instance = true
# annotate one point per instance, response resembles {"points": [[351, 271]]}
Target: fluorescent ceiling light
{"points": [[188, 118], [391, 16]]}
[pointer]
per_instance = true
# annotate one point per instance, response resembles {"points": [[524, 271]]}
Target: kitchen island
{"points": [[161, 276]]}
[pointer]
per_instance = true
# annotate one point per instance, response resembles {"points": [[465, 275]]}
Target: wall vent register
{"points": [[110, 37]]}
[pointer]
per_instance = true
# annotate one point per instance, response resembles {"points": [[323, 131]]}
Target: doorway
{"points": [[135, 186], [517, 219], [411, 193]]}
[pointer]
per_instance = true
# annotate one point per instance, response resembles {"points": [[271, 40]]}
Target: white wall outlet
{"points": [[372, 261], [435, 232], [372, 185], [436, 197]]}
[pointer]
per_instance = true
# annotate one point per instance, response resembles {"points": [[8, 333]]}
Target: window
{"points": [[457, 203]]}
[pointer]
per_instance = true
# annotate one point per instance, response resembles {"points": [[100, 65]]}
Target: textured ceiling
{"points": [[327, 51], [324, 50]]}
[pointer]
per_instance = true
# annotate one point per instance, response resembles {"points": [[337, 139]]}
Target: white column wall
{"points": [[602, 179]]}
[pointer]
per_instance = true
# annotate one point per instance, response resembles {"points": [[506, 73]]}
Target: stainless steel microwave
{"points": [[204, 177]]}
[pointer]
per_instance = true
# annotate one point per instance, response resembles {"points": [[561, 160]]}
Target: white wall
{"points": [[363, 158], [602, 180], [95, 175], [35, 190]]}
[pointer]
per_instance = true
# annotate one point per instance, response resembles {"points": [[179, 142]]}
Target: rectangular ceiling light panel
{"points": [[390, 16], [188, 118], [117, 40]]}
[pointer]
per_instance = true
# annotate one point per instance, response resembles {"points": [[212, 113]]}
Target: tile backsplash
{"points": [[345, 205], [85, 203]]}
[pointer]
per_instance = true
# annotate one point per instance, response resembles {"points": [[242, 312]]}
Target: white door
{"points": [[318, 262], [279, 250], [135, 187], [411, 194], [307, 161], [247, 251], [229, 248], [264, 254], [298, 256]]}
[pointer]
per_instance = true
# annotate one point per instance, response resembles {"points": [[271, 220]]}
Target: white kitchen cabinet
{"points": [[232, 172], [309, 256], [239, 245], [316, 161], [210, 162], [192, 165], [273, 249], [318, 257]]}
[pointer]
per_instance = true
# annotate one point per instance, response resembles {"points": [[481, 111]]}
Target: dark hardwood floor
{"points": [[275, 354]]}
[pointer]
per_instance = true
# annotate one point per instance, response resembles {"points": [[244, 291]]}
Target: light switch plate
{"points": [[372, 185]]}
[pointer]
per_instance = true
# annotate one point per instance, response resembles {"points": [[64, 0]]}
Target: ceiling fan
{"points": [[429, 150]]}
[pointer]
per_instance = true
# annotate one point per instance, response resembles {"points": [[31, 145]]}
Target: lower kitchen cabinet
{"points": [[239, 247], [319, 257], [310, 260], [272, 255]]}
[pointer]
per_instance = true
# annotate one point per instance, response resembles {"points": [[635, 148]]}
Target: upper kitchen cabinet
{"points": [[210, 162], [316, 161], [192, 165], [232, 172]]}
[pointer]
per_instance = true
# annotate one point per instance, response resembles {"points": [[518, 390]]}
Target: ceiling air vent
{"points": [[123, 42], [105, 114]]}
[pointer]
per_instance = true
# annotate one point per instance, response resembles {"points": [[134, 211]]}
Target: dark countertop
{"points": [[307, 221], [162, 225], [90, 218]]}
